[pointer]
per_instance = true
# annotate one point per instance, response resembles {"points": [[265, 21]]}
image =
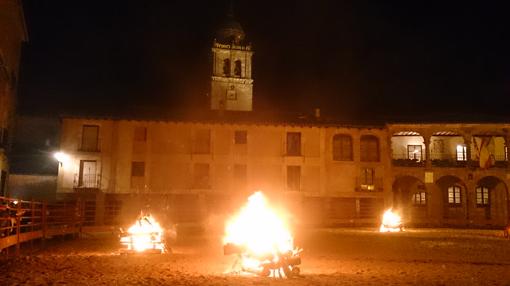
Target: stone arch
{"points": [[405, 191], [226, 67], [497, 212], [453, 213], [237, 68]]}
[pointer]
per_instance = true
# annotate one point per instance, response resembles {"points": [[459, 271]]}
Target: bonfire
{"points": [[261, 240], [145, 235], [391, 222]]}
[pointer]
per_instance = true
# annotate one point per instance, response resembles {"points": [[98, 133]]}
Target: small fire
{"points": [[262, 240], [145, 235], [391, 222]]}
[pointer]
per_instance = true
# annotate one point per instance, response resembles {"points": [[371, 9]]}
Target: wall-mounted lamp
{"points": [[61, 157]]}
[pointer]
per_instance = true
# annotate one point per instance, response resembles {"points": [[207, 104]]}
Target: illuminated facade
{"points": [[435, 174], [326, 173], [13, 33], [231, 81]]}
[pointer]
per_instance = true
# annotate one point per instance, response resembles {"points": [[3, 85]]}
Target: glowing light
{"points": [[62, 157], [262, 239], [145, 234], [391, 222]]}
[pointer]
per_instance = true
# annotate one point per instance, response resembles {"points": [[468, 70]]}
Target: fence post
{"points": [[32, 221], [80, 214], [44, 221], [18, 227]]}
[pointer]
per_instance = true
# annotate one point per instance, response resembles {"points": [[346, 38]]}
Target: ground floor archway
{"points": [[410, 199]]}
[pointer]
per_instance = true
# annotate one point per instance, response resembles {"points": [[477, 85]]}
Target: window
{"points": [[87, 177], [369, 147], [454, 196], [367, 179], [293, 144], [90, 138], [231, 93], [240, 137], [482, 197], [3, 182], [237, 68], [419, 198], [201, 176], [506, 153], [4, 137], [240, 173], [140, 134], [414, 152], [342, 148], [202, 143], [461, 153], [293, 178], [226, 67], [137, 169]]}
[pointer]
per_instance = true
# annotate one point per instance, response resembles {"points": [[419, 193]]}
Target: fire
{"points": [[145, 235], [391, 222], [262, 240]]}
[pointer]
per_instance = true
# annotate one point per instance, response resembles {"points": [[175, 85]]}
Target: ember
{"points": [[261, 240], [146, 235], [391, 222]]}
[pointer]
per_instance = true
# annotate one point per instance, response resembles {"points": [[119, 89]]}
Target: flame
{"points": [[260, 232], [391, 222], [145, 234]]}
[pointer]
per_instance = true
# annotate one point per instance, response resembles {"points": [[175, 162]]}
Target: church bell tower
{"points": [[231, 81]]}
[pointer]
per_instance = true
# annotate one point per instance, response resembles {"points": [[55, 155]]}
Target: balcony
{"points": [[403, 160], [369, 185], [87, 181], [451, 160]]}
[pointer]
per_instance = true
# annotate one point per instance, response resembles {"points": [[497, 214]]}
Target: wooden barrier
{"points": [[22, 221]]}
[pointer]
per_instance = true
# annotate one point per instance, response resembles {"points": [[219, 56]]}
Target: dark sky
{"points": [[354, 59]]}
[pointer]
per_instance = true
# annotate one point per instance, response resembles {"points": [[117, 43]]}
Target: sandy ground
{"points": [[331, 257]]}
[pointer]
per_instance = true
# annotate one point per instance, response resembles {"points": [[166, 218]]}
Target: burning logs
{"points": [[146, 235], [260, 239], [275, 265], [391, 222]]}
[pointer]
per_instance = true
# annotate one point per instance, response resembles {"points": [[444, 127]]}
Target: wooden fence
{"points": [[25, 221]]}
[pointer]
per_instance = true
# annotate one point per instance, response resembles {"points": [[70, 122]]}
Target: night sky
{"points": [[397, 60]]}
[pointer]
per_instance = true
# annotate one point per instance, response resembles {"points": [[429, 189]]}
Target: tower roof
{"points": [[230, 31]]}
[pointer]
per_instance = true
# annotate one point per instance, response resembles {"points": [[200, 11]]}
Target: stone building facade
{"points": [[12, 34], [325, 173], [222, 162]]}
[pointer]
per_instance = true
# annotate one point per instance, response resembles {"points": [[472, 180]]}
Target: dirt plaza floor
{"points": [[331, 257]]}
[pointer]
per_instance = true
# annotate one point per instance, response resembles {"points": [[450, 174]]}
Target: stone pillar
{"points": [[507, 149], [434, 204], [468, 140], [426, 141]]}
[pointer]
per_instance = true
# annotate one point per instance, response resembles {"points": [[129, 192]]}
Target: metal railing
{"points": [[87, 181], [373, 185], [403, 160], [445, 160]]}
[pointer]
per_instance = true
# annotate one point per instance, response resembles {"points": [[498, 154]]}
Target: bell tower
{"points": [[231, 81]]}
